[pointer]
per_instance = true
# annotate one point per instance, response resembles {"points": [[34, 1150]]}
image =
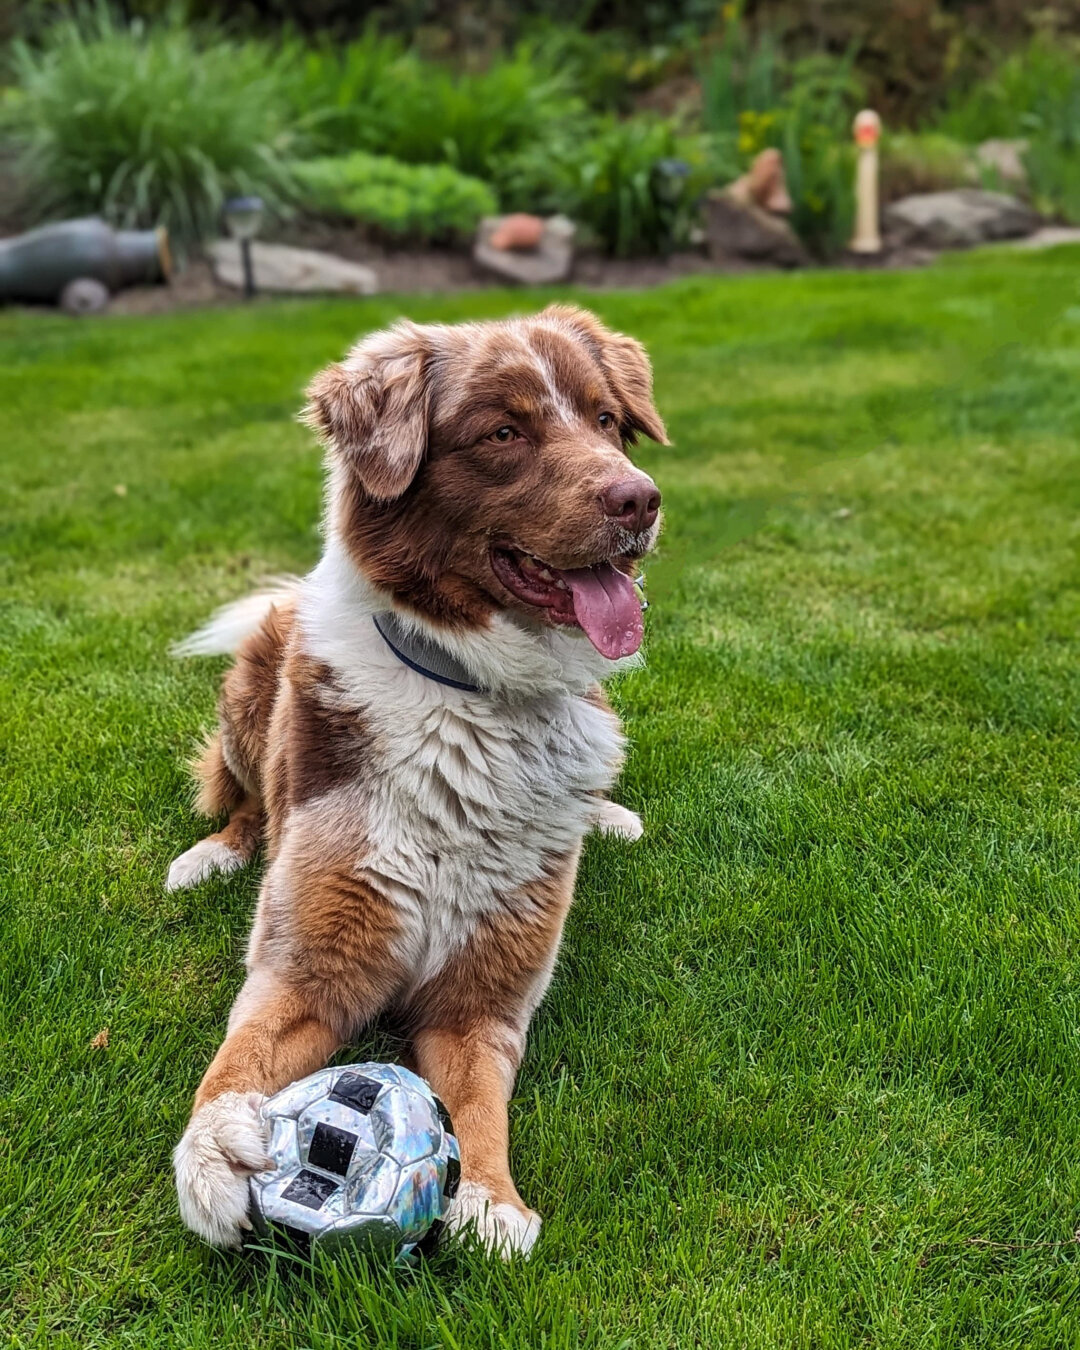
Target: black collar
{"points": [[421, 654]]}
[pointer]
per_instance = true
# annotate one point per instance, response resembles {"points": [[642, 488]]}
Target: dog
{"points": [[417, 731]]}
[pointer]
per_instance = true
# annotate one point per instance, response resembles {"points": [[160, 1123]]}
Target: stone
{"points": [[278, 267], [764, 184], [84, 295], [958, 218], [740, 229], [1005, 158], [1050, 236], [551, 260]]}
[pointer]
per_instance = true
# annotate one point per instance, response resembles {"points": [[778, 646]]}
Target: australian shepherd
{"points": [[417, 732]]}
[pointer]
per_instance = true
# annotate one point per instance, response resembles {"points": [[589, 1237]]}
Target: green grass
{"points": [[809, 1071]]}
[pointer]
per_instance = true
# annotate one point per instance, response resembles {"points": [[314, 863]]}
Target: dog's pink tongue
{"points": [[608, 609]]}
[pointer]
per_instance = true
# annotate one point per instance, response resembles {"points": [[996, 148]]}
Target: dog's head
{"points": [[484, 467]]}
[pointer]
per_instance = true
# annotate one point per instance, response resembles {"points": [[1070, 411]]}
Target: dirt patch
{"points": [[410, 272], [436, 270]]}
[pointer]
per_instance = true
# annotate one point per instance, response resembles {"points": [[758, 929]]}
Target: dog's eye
{"points": [[606, 420], [504, 435]]}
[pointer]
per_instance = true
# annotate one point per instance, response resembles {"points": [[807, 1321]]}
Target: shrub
{"points": [[923, 162], [1030, 89], [1033, 94], [632, 185], [418, 201], [342, 97], [148, 126], [375, 95], [804, 108]]}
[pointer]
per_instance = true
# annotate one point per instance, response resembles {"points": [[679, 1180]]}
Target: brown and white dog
{"points": [[417, 731]]}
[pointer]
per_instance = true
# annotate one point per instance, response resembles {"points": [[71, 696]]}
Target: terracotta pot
{"points": [[38, 265]]}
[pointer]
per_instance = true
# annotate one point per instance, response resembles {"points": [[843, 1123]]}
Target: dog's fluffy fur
{"points": [[422, 840]]}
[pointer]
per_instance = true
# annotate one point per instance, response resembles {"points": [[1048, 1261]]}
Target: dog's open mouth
{"points": [[601, 600]]}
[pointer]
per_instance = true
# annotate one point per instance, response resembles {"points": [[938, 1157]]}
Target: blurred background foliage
{"points": [[620, 113]]}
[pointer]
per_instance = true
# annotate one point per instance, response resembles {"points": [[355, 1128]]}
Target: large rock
{"points": [[738, 228], [278, 267], [551, 260], [958, 219]]}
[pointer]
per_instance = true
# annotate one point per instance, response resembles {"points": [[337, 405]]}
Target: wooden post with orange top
{"points": [[867, 236]]}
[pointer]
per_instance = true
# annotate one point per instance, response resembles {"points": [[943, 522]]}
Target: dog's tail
{"points": [[231, 624]]}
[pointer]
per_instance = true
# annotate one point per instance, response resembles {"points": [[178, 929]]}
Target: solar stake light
{"points": [[243, 217], [867, 130], [670, 175]]}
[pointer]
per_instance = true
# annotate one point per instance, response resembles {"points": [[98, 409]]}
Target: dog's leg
{"points": [[275, 1036], [225, 851], [473, 1071], [316, 917], [611, 818]]}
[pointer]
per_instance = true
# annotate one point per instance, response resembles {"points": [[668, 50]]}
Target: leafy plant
{"points": [[148, 125], [1027, 91], [342, 97], [923, 162], [739, 75], [418, 201], [633, 185], [377, 96], [803, 108], [1035, 95]]}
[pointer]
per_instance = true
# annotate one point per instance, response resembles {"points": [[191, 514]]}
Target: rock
{"points": [[1050, 236], [1005, 158], [737, 229], [763, 185], [84, 295], [958, 218], [551, 260], [278, 267]]}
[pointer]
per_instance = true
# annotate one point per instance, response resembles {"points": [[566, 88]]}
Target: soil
{"points": [[433, 270], [406, 272]]}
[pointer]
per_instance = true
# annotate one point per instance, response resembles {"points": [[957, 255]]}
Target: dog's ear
{"points": [[373, 409], [627, 369]]}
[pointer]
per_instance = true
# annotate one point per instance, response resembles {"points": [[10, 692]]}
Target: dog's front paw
{"points": [[202, 860], [614, 819], [504, 1229], [224, 1143]]}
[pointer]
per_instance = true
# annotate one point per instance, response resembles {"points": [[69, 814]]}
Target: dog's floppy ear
{"points": [[626, 366], [373, 408]]}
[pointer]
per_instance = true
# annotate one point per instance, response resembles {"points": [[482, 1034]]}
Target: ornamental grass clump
{"points": [[148, 125]]}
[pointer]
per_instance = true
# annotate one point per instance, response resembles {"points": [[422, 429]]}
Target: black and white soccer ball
{"points": [[363, 1156]]}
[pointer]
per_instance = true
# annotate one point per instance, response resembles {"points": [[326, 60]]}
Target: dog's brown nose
{"points": [[633, 502]]}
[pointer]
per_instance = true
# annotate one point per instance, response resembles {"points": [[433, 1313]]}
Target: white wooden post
{"points": [[867, 237]]}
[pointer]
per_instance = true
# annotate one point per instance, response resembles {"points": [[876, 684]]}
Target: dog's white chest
{"points": [[471, 799]]}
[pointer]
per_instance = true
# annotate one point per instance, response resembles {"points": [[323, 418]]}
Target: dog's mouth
{"points": [[602, 601]]}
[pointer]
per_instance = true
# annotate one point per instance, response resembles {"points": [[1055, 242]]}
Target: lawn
{"points": [[809, 1071]]}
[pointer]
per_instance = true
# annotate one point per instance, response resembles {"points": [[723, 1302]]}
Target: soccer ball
{"points": [[363, 1156]]}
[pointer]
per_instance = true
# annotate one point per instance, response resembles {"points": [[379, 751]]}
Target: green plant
{"points": [[1031, 89], [803, 108], [342, 97], [632, 185], [148, 125], [926, 161], [430, 202], [377, 96], [740, 74], [1034, 94], [609, 69]]}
